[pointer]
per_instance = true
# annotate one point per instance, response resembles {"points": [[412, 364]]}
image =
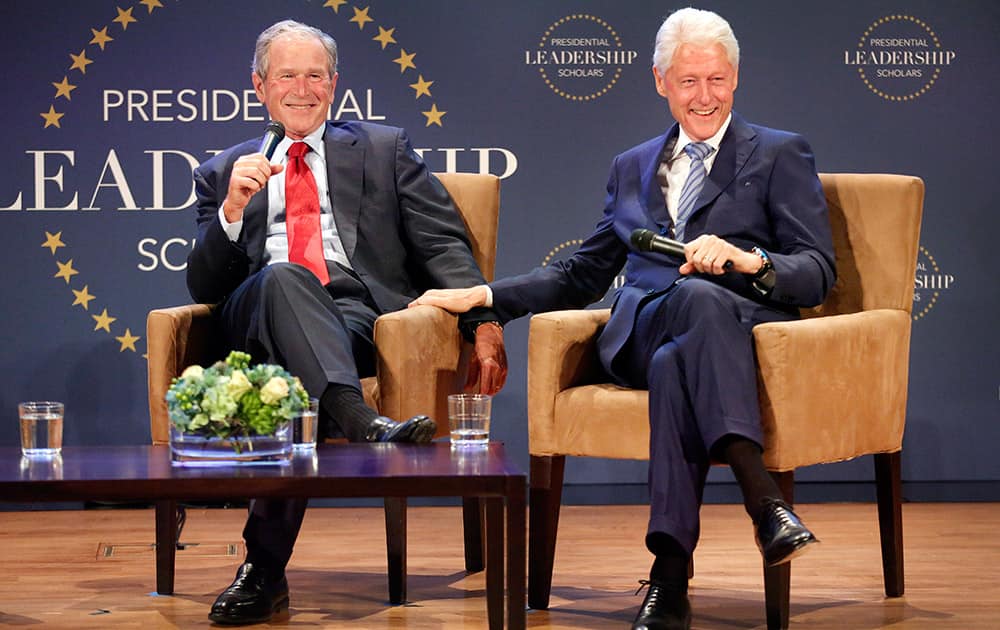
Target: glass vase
{"points": [[189, 449]]}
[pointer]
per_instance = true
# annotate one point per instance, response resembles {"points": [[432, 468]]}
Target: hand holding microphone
{"points": [[251, 172], [649, 241]]}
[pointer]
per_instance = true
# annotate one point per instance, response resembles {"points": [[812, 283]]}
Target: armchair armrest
{"points": [[855, 365], [420, 360], [562, 353], [175, 338]]}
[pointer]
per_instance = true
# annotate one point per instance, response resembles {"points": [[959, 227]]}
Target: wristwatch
{"points": [[763, 280]]}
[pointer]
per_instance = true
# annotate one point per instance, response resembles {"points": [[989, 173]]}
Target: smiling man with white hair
{"points": [[747, 205]]}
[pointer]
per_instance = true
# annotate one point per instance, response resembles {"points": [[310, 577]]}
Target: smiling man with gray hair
{"points": [[302, 250]]}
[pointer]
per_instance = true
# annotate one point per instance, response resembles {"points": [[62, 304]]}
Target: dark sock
{"points": [[346, 407], [670, 568], [747, 462]]}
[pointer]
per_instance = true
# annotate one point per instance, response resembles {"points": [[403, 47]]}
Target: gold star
{"points": [[128, 341], [103, 321], [53, 241], [434, 116], [51, 117], [405, 60], [335, 4], [124, 17], [80, 62], [421, 86], [101, 37], [385, 37], [361, 17], [151, 4], [63, 88], [66, 270], [83, 298]]}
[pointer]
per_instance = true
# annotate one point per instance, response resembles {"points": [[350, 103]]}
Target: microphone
{"points": [[650, 241], [273, 134]]}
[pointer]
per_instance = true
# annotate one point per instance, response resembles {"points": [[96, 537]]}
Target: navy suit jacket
{"points": [[400, 228], [763, 190]]}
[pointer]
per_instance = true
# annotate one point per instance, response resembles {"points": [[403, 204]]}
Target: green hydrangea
{"points": [[233, 399]]}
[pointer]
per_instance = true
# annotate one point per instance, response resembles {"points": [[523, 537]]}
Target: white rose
{"points": [[193, 372], [274, 390], [238, 384]]}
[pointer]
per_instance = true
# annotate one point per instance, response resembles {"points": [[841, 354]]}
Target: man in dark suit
{"points": [[303, 254], [748, 204]]}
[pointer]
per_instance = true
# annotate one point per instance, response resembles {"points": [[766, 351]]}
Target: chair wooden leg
{"points": [[777, 591], [778, 580], [472, 520], [543, 521], [395, 542], [166, 546], [889, 488]]}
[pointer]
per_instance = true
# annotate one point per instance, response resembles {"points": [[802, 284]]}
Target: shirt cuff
{"points": [[489, 296], [232, 230]]}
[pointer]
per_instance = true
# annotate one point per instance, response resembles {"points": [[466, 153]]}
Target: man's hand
{"points": [[249, 176], [708, 253], [488, 365], [454, 301]]}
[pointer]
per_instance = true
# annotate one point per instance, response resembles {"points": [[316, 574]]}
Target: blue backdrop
{"points": [[111, 104]]}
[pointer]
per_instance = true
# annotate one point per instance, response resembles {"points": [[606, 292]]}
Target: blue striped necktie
{"points": [[697, 151]]}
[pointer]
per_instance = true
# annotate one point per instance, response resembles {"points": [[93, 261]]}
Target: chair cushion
{"points": [[600, 421]]}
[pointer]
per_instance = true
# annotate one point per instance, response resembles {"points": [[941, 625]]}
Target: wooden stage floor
{"points": [[95, 569]]}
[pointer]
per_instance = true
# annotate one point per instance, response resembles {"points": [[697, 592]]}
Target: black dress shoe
{"points": [[780, 534], [664, 608], [416, 430], [253, 597]]}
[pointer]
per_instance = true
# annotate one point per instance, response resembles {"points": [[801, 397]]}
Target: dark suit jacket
{"points": [[763, 190], [400, 228]]}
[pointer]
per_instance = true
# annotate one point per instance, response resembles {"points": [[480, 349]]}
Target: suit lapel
{"points": [[738, 144], [656, 205], [345, 167]]}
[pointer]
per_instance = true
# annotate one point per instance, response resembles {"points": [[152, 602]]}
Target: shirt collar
{"points": [[683, 140], [314, 140]]}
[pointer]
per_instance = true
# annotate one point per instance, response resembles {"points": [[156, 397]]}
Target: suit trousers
{"points": [[322, 334], [692, 348]]}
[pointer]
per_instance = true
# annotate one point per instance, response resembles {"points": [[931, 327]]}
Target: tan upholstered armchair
{"points": [[419, 361], [832, 385]]}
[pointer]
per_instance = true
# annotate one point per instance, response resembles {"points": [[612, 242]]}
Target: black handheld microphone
{"points": [[273, 134], [650, 241]]}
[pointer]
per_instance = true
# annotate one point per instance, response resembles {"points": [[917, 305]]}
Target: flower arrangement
{"points": [[232, 399]]}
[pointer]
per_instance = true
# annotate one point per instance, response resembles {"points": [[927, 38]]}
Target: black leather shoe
{"points": [[416, 430], [780, 534], [664, 608], [253, 597]]}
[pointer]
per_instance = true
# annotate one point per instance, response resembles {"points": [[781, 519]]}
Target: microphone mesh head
{"points": [[642, 239], [276, 128]]}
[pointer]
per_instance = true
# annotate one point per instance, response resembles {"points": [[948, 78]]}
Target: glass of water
{"points": [[41, 428], [469, 420], [305, 427]]}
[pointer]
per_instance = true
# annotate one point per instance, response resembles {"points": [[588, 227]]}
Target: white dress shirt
{"points": [[674, 170], [276, 245]]}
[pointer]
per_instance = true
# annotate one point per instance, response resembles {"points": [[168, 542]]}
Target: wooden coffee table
{"points": [[393, 471]]}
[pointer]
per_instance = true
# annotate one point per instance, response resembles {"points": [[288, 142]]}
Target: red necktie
{"points": [[305, 237]]}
